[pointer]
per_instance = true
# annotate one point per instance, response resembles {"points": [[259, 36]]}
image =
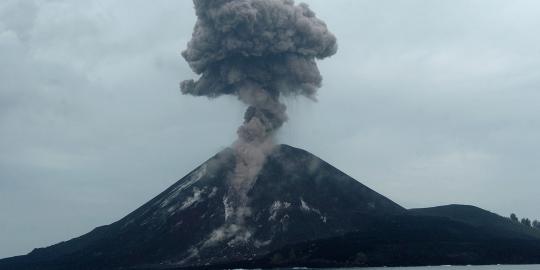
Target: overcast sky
{"points": [[427, 102]]}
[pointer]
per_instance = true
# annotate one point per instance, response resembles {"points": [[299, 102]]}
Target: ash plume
{"points": [[259, 51]]}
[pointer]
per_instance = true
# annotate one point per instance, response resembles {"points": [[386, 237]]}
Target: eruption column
{"points": [[259, 51]]}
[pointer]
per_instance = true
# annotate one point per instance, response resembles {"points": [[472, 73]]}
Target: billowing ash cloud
{"points": [[268, 44], [257, 50]]}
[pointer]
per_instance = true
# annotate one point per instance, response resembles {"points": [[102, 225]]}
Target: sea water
{"points": [[445, 267], [448, 267]]}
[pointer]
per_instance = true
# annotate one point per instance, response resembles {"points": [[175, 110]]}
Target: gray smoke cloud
{"points": [[259, 51]]}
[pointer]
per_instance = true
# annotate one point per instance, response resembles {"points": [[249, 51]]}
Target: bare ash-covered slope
{"points": [[297, 197]]}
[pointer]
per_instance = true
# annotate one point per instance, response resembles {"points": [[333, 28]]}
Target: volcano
{"points": [[302, 212]]}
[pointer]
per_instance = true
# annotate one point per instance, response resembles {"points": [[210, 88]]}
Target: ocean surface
{"points": [[483, 267]]}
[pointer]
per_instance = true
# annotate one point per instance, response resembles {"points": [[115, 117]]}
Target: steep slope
{"points": [[297, 197]]}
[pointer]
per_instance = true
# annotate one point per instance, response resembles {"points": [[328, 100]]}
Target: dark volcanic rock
{"points": [[405, 240], [481, 219], [296, 197]]}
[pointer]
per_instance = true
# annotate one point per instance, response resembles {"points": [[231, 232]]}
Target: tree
{"points": [[536, 224], [514, 218], [526, 222]]}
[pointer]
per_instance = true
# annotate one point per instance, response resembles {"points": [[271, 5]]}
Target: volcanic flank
{"points": [[304, 212], [297, 197]]}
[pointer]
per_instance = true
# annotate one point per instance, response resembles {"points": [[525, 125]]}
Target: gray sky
{"points": [[427, 102]]}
